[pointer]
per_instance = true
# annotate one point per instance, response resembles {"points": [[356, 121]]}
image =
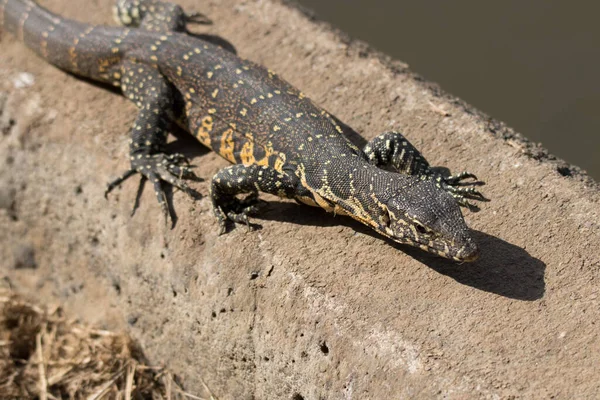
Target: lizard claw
{"points": [[117, 182], [463, 202], [469, 192], [237, 211], [197, 18], [454, 179], [460, 189]]}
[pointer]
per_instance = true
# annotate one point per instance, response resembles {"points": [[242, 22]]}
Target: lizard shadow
{"points": [[503, 268], [216, 40]]}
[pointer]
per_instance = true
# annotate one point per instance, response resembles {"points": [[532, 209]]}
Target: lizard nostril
{"points": [[421, 229]]}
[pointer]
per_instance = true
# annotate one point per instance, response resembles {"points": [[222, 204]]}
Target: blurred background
{"points": [[533, 64]]}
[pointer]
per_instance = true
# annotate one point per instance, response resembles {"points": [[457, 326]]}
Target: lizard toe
{"points": [[158, 169], [453, 179], [236, 211]]}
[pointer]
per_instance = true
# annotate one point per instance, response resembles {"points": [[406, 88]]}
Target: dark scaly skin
{"points": [[280, 141]]}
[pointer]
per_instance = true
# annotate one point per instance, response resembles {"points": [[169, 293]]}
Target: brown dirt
{"points": [[311, 306]]}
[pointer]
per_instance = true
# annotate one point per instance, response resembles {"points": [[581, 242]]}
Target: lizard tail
{"points": [[59, 41]]}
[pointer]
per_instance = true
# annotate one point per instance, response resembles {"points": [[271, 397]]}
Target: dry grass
{"points": [[45, 355]]}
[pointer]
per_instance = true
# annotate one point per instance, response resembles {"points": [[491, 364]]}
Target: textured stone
{"points": [[311, 306]]}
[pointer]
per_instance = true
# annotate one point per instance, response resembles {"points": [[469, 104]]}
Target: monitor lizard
{"points": [[279, 141]]}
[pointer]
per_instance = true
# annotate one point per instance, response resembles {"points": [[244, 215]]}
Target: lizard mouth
{"points": [[464, 251], [467, 252]]}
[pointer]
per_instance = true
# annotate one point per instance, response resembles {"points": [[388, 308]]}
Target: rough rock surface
{"points": [[311, 306]]}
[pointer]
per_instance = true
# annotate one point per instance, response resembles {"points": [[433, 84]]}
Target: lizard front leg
{"points": [[240, 179], [155, 16], [393, 150], [153, 95]]}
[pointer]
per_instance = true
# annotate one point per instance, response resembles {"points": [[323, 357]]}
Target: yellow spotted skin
{"points": [[277, 139]]}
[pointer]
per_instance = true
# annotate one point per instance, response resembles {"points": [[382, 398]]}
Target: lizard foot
{"points": [[462, 188], [237, 211], [159, 168]]}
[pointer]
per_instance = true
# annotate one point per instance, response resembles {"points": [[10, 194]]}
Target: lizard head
{"points": [[423, 215]]}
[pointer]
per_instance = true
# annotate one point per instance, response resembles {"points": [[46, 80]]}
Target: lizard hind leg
{"points": [[154, 96], [155, 16]]}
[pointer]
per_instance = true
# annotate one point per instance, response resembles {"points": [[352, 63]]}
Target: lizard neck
{"points": [[352, 187]]}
